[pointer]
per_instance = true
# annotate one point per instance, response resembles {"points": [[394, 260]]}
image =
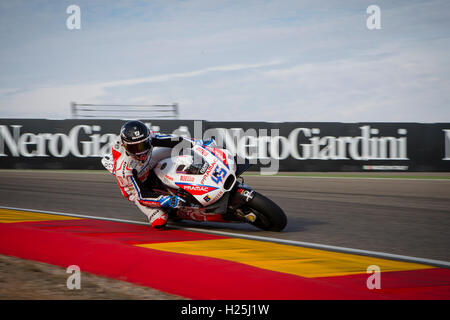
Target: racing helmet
{"points": [[136, 139]]}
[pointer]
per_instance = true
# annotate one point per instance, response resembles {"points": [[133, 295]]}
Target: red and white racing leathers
{"points": [[122, 165]]}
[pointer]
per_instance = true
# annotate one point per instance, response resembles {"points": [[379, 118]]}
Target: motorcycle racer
{"points": [[132, 159]]}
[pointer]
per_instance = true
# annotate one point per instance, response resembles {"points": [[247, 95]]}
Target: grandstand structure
{"points": [[124, 111]]}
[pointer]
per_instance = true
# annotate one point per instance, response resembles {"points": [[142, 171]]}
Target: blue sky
{"points": [[229, 60]]}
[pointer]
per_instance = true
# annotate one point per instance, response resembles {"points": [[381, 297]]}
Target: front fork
{"points": [[241, 195]]}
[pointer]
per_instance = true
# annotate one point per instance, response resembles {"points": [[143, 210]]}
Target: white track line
{"points": [[439, 263]]}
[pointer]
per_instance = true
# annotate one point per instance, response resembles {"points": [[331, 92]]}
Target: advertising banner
{"points": [[287, 146]]}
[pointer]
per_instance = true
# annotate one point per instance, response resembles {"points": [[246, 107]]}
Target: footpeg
{"points": [[251, 217]]}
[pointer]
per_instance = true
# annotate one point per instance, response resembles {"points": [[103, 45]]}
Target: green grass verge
{"points": [[351, 175]]}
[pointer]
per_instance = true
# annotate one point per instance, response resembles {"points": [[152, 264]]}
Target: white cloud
{"points": [[54, 102], [180, 75]]}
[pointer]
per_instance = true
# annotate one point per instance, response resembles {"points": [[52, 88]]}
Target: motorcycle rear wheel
{"points": [[269, 216]]}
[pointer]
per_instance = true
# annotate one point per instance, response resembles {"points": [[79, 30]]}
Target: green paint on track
{"points": [[319, 175]]}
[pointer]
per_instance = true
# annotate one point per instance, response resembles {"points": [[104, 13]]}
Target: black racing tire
{"points": [[269, 216]]}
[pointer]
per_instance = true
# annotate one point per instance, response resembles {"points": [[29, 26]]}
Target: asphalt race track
{"points": [[398, 216]]}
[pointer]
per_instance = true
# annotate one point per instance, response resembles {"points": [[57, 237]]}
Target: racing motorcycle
{"points": [[210, 183]]}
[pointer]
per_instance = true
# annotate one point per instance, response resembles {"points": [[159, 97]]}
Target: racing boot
{"points": [[158, 219], [156, 216]]}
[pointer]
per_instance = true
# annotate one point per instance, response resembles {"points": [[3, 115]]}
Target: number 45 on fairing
{"points": [[218, 176]]}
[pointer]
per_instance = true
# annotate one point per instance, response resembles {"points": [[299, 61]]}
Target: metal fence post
{"points": [[73, 106], [175, 109]]}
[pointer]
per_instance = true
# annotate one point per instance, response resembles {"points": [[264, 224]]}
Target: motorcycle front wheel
{"points": [[269, 216]]}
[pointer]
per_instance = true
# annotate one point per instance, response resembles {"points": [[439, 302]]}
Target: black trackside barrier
{"points": [[287, 146]]}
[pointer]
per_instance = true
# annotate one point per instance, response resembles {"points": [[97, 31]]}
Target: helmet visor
{"points": [[138, 147]]}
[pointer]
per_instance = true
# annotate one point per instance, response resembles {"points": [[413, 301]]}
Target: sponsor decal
{"points": [[248, 194], [65, 142], [55, 144], [218, 195], [308, 144], [202, 151], [125, 168], [187, 178], [195, 189], [168, 177], [207, 198], [208, 172], [204, 168], [219, 154], [122, 182], [301, 144]]}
